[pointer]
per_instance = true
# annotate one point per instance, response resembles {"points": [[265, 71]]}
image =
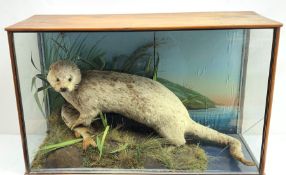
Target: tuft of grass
{"points": [[103, 119], [123, 148], [48, 148], [100, 142], [133, 150], [44, 88], [140, 62], [120, 148]]}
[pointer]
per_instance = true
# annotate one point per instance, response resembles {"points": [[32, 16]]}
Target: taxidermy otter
{"points": [[138, 98]]}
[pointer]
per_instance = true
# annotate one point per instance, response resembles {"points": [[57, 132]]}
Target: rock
{"points": [[69, 157], [150, 163]]}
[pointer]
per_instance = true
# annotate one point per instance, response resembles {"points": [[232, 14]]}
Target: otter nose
{"points": [[63, 89]]}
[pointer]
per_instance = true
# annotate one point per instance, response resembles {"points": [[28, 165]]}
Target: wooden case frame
{"points": [[146, 22]]}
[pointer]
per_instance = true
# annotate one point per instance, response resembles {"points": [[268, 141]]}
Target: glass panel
{"points": [[212, 72], [26, 46], [256, 83]]}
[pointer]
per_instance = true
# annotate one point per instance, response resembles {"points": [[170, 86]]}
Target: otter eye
{"points": [[70, 79], [58, 79]]}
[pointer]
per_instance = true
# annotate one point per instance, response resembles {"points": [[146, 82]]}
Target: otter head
{"points": [[64, 76]]}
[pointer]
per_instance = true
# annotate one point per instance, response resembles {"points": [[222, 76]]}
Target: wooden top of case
{"points": [[139, 22]]}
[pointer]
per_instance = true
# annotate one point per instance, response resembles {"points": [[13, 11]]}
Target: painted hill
{"points": [[190, 98]]}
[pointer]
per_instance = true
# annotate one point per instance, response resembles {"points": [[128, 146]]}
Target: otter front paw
{"points": [[77, 134], [88, 142]]}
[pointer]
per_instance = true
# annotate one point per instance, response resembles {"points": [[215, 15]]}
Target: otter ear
{"points": [[74, 66], [53, 65]]}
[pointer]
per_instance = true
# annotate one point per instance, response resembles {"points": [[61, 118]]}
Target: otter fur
{"points": [[141, 99]]}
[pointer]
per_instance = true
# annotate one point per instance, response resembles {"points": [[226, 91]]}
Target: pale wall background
{"points": [[12, 11]]}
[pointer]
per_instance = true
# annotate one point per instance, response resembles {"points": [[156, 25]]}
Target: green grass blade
{"points": [[60, 45], [100, 61], [148, 65], [33, 83], [73, 46], [39, 76], [62, 144], [32, 61], [76, 48], [98, 143], [121, 148], [99, 146], [43, 88], [155, 75], [42, 77], [48, 150], [94, 66], [103, 119], [104, 136], [36, 96], [101, 143], [94, 47], [45, 95]]}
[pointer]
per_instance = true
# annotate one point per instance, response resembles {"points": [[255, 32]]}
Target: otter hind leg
{"points": [[85, 119], [69, 114], [175, 137], [212, 135]]}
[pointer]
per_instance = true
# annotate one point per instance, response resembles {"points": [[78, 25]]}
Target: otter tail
{"points": [[212, 135]]}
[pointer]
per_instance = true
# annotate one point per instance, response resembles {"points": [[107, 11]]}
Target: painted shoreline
{"points": [[221, 118]]}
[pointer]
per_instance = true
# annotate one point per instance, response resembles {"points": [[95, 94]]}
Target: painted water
{"points": [[221, 118]]}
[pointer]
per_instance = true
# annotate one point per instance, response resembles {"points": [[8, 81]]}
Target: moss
{"points": [[57, 132], [127, 149]]}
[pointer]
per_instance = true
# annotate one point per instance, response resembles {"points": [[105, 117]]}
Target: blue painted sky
{"points": [[206, 61]]}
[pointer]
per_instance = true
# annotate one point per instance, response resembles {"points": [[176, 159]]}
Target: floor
{"points": [[11, 157]]}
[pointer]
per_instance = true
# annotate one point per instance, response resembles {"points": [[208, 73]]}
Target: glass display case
{"points": [[219, 67]]}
